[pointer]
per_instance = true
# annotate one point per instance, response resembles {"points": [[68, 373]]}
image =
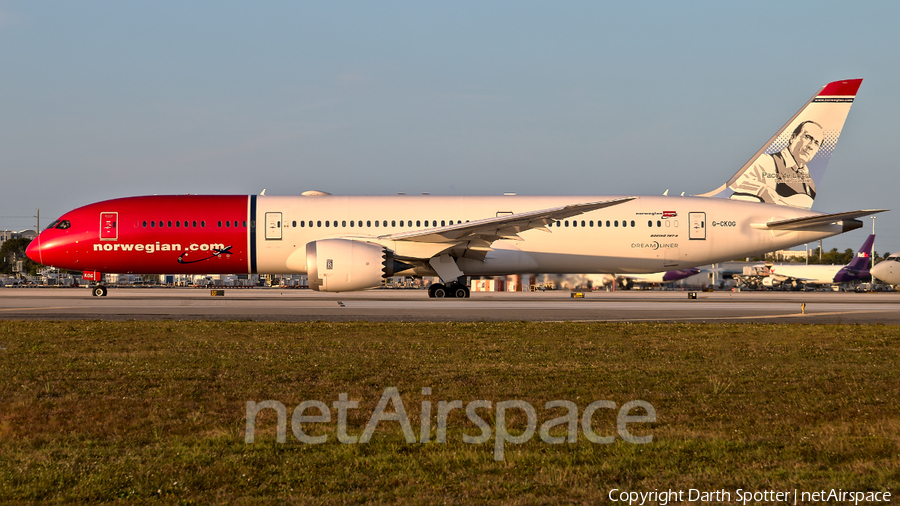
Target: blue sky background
{"points": [[108, 99]]}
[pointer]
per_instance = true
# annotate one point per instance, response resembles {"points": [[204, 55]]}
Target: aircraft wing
{"points": [[811, 222], [481, 233]]}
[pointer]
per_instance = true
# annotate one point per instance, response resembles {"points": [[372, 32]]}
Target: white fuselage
{"points": [[809, 274], [648, 234]]}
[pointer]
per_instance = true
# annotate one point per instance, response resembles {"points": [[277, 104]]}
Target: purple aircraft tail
{"points": [[861, 261], [859, 267]]}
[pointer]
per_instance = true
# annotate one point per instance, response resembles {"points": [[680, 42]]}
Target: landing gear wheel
{"points": [[98, 291], [437, 291], [459, 291]]}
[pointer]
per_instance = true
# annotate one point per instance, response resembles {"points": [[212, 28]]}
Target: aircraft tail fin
{"points": [[861, 260], [787, 169]]}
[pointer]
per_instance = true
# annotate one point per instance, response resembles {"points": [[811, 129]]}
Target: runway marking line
{"points": [[34, 308], [832, 313]]}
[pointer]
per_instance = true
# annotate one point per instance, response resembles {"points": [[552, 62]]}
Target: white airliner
{"points": [[888, 270], [628, 281], [858, 268], [347, 243]]}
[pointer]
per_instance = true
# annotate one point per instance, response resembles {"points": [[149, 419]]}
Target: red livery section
{"points": [[841, 88], [178, 234]]}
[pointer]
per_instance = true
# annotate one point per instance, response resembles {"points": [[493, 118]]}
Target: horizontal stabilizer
{"points": [[811, 222]]}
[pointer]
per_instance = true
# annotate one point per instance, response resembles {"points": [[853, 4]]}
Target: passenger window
{"points": [[219, 223], [170, 224], [368, 223], [658, 223], [632, 223], [649, 223], [326, 223], [302, 223], [384, 223], [244, 223], [294, 223], [418, 223], [409, 223], [624, 223], [319, 223], [203, 224], [567, 223], [393, 223], [227, 224], [195, 224], [616, 223], [376, 223], [351, 223], [144, 224], [344, 223], [591, 223], [607, 223], [582, 223], [433, 223]]}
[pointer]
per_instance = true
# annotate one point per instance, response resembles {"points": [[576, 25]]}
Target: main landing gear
{"points": [[451, 291], [98, 291], [445, 267]]}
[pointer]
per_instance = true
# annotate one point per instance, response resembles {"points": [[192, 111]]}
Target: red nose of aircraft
{"points": [[34, 250]]}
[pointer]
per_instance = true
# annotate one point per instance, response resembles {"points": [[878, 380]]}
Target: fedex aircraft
{"points": [[858, 268], [346, 243]]}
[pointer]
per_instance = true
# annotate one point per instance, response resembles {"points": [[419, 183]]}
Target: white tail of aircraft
{"points": [[787, 169]]}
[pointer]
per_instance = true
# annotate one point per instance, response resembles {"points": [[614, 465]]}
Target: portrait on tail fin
{"points": [[783, 177], [788, 168]]}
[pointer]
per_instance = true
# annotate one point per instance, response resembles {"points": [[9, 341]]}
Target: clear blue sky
{"points": [[109, 99]]}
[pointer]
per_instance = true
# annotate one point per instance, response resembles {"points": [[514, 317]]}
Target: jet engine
{"points": [[770, 282], [344, 265]]}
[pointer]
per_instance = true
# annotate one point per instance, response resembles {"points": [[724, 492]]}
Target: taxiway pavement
{"points": [[275, 304]]}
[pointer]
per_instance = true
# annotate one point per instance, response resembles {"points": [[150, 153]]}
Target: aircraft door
{"points": [[109, 230], [697, 224], [273, 226]]}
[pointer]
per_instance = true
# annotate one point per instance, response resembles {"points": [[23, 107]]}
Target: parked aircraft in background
{"points": [[346, 243], [629, 280], [888, 270], [796, 274]]}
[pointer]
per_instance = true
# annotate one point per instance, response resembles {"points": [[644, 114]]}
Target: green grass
{"points": [[142, 411]]}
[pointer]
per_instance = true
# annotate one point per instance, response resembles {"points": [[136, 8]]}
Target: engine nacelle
{"points": [[344, 265], [770, 281]]}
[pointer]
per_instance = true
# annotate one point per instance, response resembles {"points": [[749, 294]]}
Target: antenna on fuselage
{"points": [[263, 192]]}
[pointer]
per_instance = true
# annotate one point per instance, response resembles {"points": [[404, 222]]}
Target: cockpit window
{"points": [[60, 224]]}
